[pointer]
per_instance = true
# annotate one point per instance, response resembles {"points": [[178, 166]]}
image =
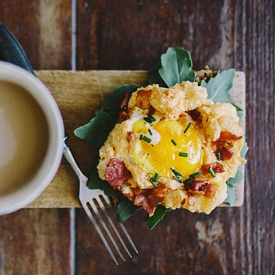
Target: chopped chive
{"points": [[174, 142], [194, 175], [142, 137], [150, 132], [182, 154], [188, 180], [154, 183], [177, 173], [218, 156], [188, 126], [177, 179], [156, 177], [149, 119], [211, 172]]}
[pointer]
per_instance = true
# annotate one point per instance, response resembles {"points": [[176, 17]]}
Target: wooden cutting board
{"points": [[78, 94]]}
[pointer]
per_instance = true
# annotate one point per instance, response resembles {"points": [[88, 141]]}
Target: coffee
{"points": [[24, 132]]}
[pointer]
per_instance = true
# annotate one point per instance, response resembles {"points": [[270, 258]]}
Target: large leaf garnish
{"points": [[125, 209], [97, 130], [157, 217], [175, 66], [112, 103], [231, 182], [218, 87], [231, 196]]}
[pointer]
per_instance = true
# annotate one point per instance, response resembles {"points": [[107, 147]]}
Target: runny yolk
{"points": [[168, 140]]}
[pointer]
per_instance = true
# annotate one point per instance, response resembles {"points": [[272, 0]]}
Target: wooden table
{"points": [[131, 35]]}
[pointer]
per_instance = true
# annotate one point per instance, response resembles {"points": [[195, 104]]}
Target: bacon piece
{"points": [[143, 101], [148, 199], [116, 173], [224, 143], [195, 114], [124, 111], [216, 167], [229, 136], [226, 154], [206, 188]]}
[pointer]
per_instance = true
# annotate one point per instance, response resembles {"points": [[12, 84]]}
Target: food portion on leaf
{"points": [[176, 143], [173, 147]]}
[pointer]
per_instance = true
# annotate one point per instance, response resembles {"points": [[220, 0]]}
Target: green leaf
{"points": [[95, 182], [244, 150], [238, 109], [97, 130], [230, 195], [125, 209], [233, 181], [112, 102], [176, 66], [157, 217], [154, 77], [218, 87]]}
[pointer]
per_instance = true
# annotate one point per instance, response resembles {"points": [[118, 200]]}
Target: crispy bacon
{"points": [[217, 167], [226, 154], [142, 100], [195, 114], [116, 173], [206, 188], [124, 111], [229, 136], [148, 199], [224, 143]]}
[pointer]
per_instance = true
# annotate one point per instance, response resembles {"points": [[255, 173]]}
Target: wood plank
{"points": [[35, 241], [43, 30], [132, 35], [78, 95]]}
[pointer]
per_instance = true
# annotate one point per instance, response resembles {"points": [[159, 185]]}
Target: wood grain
{"points": [[131, 35]]}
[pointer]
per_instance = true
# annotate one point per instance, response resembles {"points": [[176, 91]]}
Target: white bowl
{"points": [[26, 193]]}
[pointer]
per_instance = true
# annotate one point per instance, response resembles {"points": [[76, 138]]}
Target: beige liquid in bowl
{"points": [[24, 137]]}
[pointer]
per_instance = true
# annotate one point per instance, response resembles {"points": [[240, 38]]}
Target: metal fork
{"points": [[93, 201]]}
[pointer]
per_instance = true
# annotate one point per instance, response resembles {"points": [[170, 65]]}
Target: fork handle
{"points": [[69, 157]]}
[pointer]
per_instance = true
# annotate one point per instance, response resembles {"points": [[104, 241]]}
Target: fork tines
{"points": [[97, 210]]}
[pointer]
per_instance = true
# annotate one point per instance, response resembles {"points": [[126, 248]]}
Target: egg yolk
{"points": [[167, 146]]}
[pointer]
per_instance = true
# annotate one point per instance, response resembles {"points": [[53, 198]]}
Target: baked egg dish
{"points": [[174, 147]]}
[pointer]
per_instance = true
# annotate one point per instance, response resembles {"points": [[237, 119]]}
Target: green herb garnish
{"points": [[187, 127], [194, 174], [146, 139], [154, 183], [177, 179], [174, 142], [182, 154], [149, 119], [177, 173], [156, 177], [155, 180], [211, 172]]}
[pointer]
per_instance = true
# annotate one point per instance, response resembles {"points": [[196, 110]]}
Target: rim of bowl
{"points": [[27, 194]]}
